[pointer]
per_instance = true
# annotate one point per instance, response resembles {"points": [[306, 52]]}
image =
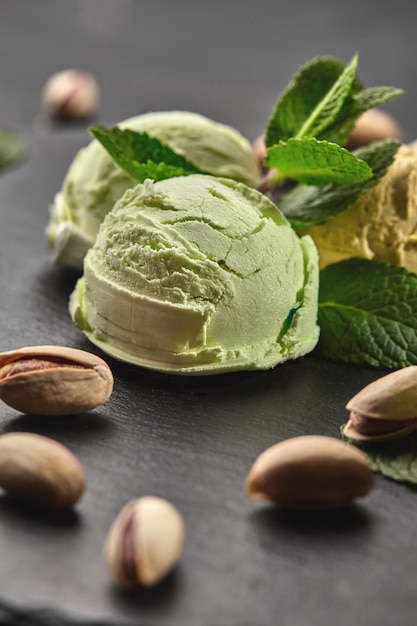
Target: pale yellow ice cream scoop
{"points": [[381, 225], [94, 181], [198, 275]]}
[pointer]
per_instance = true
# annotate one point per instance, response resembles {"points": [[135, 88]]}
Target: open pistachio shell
{"points": [[350, 432], [53, 380], [391, 398]]}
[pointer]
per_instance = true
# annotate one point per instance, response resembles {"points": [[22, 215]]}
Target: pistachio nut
{"points": [[39, 470], [53, 380], [384, 409], [145, 542], [310, 472]]}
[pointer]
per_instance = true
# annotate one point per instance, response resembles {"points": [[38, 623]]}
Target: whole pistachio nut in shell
{"points": [[145, 542], [310, 472], [40, 471], [53, 380], [386, 408]]}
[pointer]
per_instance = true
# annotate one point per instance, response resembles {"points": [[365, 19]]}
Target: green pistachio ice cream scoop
{"points": [[198, 275], [94, 181]]}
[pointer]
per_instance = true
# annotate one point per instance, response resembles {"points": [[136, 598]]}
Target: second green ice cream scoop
{"points": [[94, 182], [198, 275]]}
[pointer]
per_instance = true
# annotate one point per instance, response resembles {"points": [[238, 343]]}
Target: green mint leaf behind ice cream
{"points": [[312, 101], [315, 162], [313, 119], [367, 314], [308, 205], [142, 156]]}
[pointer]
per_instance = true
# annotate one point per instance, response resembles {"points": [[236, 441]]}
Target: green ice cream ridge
{"points": [[198, 275]]}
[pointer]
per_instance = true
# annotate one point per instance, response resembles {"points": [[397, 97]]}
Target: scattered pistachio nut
{"points": [[53, 380], [71, 94], [310, 472], [259, 149], [384, 409], [373, 125], [40, 471], [145, 542]]}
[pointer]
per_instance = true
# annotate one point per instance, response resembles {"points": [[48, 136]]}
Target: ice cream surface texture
{"points": [[198, 275], [381, 225], [94, 182]]}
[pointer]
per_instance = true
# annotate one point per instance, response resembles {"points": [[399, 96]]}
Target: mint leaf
{"points": [[356, 104], [328, 108], [312, 100], [307, 205], [396, 459], [12, 148], [367, 314], [316, 162], [142, 156]]}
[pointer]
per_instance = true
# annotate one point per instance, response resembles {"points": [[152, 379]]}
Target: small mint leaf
{"points": [[12, 148], [396, 459], [142, 156], [319, 89], [316, 162], [356, 104], [307, 205], [367, 314], [374, 97], [327, 110]]}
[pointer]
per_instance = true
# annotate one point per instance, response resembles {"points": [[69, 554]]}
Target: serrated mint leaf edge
{"points": [[315, 162], [326, 111], [137, 168], [341, 196], [352, 268], [291, 89]]}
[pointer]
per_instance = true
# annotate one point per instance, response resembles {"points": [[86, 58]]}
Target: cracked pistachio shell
{"points": [[310, 472], [53, 380], [40, 471], [145, 542], [391, 398]]}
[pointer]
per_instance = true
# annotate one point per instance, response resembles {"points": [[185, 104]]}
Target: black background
{"points": [[191, 440]]}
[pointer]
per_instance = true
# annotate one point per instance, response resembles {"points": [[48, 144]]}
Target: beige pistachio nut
{"points": [[310, 472], [53, 380], [40, 471], [71, 94], [145, 542], [259, 149], [384, 409]]}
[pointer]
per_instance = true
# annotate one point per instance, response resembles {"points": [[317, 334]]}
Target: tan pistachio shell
{"points": [[392, 397], [310, 472], [41, 471], [53, 380], [144, 542]]}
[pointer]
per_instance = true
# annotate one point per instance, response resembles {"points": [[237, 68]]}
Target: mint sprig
{"points": [[306, 134], [142, 156], [313, 100], [367, 314]]}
